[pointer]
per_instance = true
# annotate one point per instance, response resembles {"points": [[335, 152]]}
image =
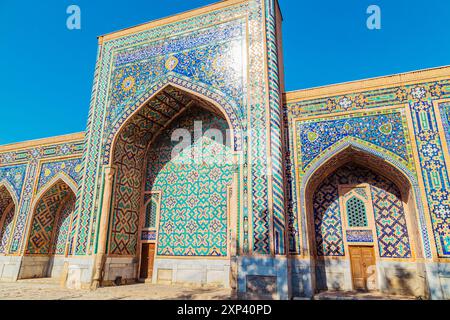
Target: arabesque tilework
{"points": [[140, 64], [14, 176], [177, 66], [20, 168], [49, 216], [193, 216], [416, 100], [389, 215], [7, 210], [289, 155], [71, 167], [382, 130]]}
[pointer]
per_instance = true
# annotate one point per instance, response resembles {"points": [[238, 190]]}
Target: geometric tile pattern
{"points": [[390, 223], [15, 176], [129, 155], [135, 64], [327, 221], [259, 139], [45, 218], [383, 130], [71, 167], [433, 165], [419, 98], [6, 228], [389, 215], [444, 109], [20, 170], [5, 199], [63, 225], [56, 150], [7, 211], [193, 216], [277, 150]]}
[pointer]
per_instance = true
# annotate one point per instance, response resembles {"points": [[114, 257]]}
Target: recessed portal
{"points": [[362, 260], [175, 167], [49, 236], [362, 222], [7, 211]]}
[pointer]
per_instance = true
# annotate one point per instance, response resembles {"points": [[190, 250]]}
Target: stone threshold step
{"points": [[360, 296]]}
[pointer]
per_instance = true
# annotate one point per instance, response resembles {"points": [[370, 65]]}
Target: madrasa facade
{"points": [[198, 168]]}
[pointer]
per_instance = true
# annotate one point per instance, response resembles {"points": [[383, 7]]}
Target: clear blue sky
{"points": [[47, 70]]}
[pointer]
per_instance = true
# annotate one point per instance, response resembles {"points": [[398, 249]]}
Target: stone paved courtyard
{"points": [[48, 289], [43, 289]]}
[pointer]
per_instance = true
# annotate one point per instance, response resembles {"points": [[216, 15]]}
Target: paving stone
{"points": [[39, 289]]}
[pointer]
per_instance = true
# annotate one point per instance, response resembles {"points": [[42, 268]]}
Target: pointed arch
{"points": [[130, 148], [49, 201], [389, 189], [10, 189], [59, 176], [366, 155], [198, 90], [366, 147], [8, 212]]}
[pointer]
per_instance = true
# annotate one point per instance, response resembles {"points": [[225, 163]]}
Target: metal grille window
{"points": [[150, 214], [356, 213]]}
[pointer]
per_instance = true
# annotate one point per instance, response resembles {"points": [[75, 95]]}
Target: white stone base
{"points": [[301, 279], [34, 267], [74, 272], [333, 274], [117, 267], [79, 272], [392, 277], [9, 268], [263, 277], [198, 271], [438, 276], [194, 272], [402, 278]]}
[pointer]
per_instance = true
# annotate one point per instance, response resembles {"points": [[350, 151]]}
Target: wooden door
{"points": [[147, 260], [362, 260]]}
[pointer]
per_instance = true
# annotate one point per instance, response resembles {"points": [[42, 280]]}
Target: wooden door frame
{"points": [[148, 244], [141, 228], [351, 268], [371, 226]]}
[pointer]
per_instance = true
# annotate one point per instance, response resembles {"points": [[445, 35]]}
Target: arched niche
{"points": [[327, 187]]}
